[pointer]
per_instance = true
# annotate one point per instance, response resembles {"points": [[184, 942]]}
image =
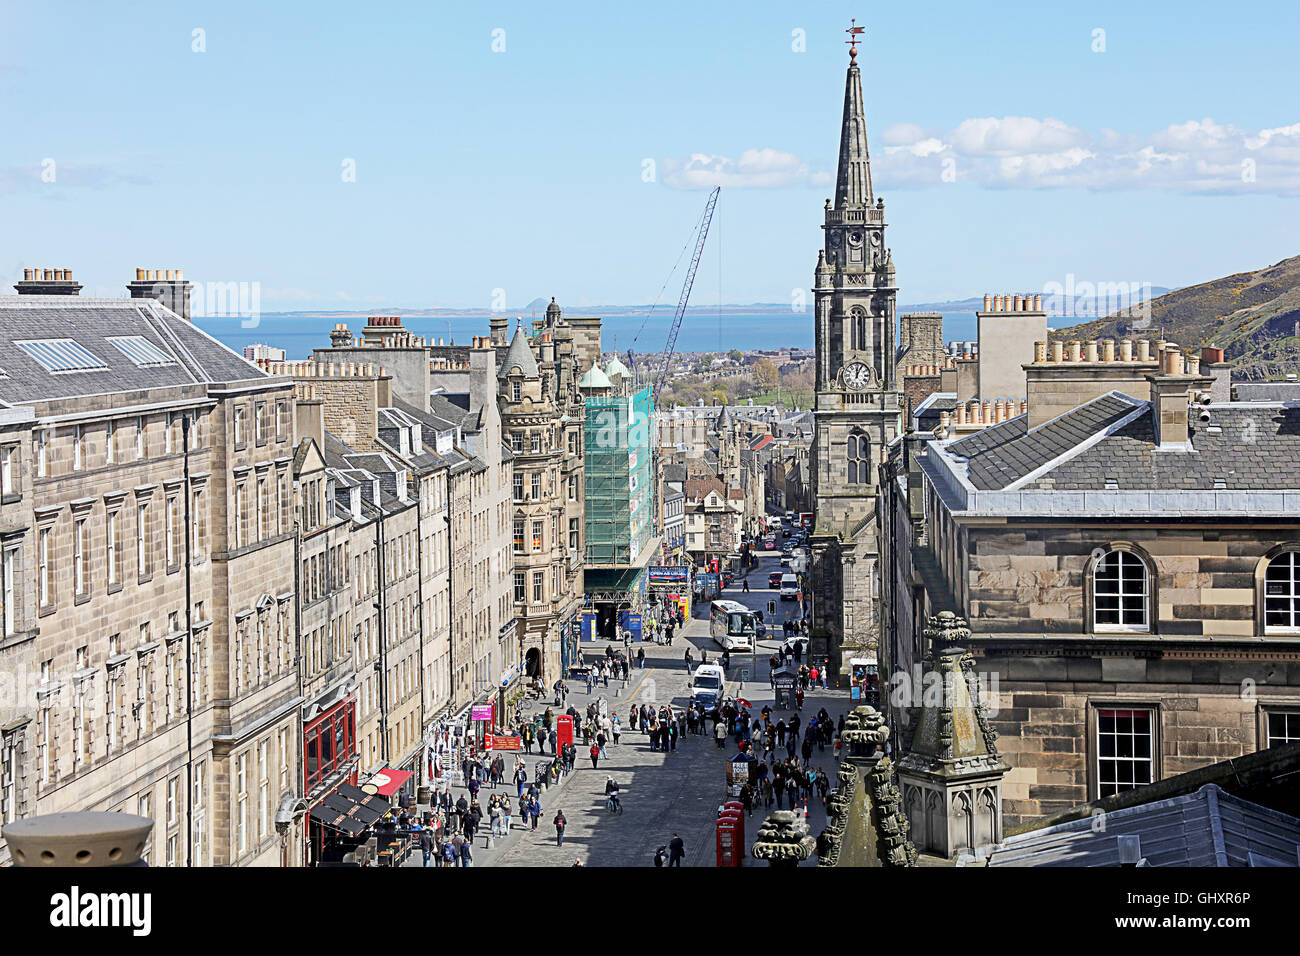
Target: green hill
{"points": [[1253, 316]]}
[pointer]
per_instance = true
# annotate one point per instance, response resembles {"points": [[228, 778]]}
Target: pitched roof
{"points": [[520, 356], [1208, 828], [190, 354], [1004, 453], [1241, 447]]}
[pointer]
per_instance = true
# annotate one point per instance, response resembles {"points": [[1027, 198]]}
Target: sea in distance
{"points": [[707, 329]]}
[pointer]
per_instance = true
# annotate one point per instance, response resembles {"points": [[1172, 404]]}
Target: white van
{"points": [[789, 587], [707, 684], [774, 521]]}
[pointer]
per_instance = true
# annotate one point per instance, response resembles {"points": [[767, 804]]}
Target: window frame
{"points": [[1125, 555], [1096, 713]]}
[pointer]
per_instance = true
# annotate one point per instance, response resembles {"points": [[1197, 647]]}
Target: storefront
{"points": [[330, 761], [614, 595]]}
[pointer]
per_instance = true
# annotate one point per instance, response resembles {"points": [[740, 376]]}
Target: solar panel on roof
{"points": [[61, 355], [141, 351]]}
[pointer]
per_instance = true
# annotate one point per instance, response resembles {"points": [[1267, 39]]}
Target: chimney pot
{"points": [[1108, 350], [988, 303], [1091, 354], [1040, 351]]}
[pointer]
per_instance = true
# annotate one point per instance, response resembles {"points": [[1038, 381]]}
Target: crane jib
{"points": [[705, 220]]}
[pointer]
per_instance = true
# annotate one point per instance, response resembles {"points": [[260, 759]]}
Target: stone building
{"points": [[444, 386], [147, 537], [1127, 553], [856, 411], [986, 383], [542, 417], [714, 519]]}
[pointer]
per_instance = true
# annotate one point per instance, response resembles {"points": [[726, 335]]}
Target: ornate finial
{"points": [[853, 31]]}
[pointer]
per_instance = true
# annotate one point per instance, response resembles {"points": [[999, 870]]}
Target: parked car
{"points": [[774, 579], [785, 560]]}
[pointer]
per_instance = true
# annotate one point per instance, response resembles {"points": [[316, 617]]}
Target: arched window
{"points": [[1282, 593], [1120, 595], [859, 460], [857, 329]]}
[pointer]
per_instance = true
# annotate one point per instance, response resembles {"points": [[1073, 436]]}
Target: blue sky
{"points": [[522, 170]]}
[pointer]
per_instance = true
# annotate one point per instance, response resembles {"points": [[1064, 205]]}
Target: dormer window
{"points": [[516, 390]]}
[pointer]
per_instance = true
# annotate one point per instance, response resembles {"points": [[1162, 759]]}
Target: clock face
{"points": [[857, 376], [855, 237]]}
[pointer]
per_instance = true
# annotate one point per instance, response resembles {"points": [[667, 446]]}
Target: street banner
{"points": [[503, 742], [668, 574], [481, 712]]}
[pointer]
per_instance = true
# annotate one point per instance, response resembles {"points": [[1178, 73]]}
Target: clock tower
{"points": [[857, 404]]}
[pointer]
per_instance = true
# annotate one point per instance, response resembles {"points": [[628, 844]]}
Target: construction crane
{"points": [[671, 347]]}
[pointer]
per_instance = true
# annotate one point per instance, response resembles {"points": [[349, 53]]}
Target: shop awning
{"points": [[387, 782], [350, 809]]}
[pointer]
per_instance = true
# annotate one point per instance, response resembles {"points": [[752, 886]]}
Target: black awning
{"points": [[350, 809]]}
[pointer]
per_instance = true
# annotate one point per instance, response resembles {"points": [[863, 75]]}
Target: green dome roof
{"points": [[595, 378]]}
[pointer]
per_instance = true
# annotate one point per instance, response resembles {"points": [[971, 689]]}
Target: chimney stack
{"points": [[168, 286], [47, 282]]}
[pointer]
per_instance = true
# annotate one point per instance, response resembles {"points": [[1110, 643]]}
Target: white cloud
{"points": [[755, 169], [1198, 156], [1014, 135]]}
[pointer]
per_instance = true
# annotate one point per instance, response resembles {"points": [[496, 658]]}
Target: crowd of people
{"points": [[503, 792]]}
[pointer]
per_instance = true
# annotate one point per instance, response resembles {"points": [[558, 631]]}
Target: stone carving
{"points": [[946, 629], [838, 803], [783, 840], [892, 829], [864, 731]]}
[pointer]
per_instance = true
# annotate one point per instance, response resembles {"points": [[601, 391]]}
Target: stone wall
{"points": [[1206, 711], [1034, 579]]}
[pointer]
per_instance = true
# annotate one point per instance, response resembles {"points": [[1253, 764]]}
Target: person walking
{"points": [[534, 811], [720, 733], [595, 756], [688, 658], [560, 824], [745, 586], [616, 728], [676, 851], [426, 844], [640, 658]]}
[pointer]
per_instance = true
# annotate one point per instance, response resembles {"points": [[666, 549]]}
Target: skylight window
{"points": [[61, 355], [141, 351]]}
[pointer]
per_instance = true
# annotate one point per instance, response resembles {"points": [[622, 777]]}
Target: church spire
{"points": [[853, 180]]}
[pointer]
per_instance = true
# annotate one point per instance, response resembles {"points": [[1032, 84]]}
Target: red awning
{"points": [[387, 782]]}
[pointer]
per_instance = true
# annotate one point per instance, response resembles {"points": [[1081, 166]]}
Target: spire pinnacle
{"points": [[853, 180]]}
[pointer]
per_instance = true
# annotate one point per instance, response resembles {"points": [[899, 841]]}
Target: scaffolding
{"points": [[619, 486]]}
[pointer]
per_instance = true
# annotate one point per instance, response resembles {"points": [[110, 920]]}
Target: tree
{"points": [[736, 355], [765, 374]]}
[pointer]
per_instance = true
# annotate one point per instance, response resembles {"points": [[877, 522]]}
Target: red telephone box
{"points": [[563, 731], [735, 810], [729, 847]]}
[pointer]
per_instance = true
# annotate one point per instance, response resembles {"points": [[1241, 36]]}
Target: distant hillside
{"points": [[1251, 315]]}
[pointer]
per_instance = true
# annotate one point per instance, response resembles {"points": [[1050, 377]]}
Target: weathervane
{"points": [[853, 31]]}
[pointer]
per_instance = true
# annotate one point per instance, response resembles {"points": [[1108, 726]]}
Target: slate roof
{"points": [[1004, 453], [1242, 447], [520, 355], [1209, 828], [195, 355]]}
